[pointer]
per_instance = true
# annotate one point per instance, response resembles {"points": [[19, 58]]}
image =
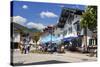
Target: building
{"points": [[17, 35], [47, 34], [69, 26], [69, 23]]}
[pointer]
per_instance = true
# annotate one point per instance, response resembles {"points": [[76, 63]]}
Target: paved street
{"points": [[67, 57]]}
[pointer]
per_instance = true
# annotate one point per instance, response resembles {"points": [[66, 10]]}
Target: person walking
{"points": [[21, 46], [27, 43], [24, 46]]}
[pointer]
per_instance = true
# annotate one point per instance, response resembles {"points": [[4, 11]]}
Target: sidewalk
{"points": [[67, 57]]}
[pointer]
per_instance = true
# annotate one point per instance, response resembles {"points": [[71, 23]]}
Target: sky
{"points": [[37, 14]]}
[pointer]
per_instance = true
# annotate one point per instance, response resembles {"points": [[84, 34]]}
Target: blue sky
{"points": [[33, 14]]}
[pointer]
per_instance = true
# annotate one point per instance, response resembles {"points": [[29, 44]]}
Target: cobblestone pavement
{"points": [[67, 57]]}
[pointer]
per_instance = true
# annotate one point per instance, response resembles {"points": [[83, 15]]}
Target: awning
{"points": [[50, 38], [69, 39]]}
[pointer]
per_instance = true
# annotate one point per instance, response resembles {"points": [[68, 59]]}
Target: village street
{"points": [[35, 59]]}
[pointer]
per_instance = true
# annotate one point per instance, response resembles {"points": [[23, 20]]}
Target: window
{"points": [[77, 26], [92, 42], [70, 29], [65, 32], [96, 41]]}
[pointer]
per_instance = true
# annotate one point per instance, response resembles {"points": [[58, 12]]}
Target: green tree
{"points": [[36, 37], [89, 20]]}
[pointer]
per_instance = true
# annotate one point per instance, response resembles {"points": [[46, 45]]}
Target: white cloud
{"points": [[22, 21], [19, 20], [38, 26], [48, 14], [24, 6]]}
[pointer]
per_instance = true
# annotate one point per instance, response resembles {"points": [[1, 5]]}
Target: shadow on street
{"points": [[39, 63]]}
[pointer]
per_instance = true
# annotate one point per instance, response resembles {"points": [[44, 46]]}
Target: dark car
{"points": [[52, 48]]}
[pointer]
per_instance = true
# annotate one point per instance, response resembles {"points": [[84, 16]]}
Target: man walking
{"points": [[26, 44]]}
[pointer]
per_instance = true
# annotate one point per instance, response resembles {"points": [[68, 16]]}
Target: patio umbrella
{"points": [[50, 38]]}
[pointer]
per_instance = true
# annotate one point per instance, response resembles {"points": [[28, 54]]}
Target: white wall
{"points": [[58, 31], [74, 31], [31, 42], [16, 37], [89, 36]]}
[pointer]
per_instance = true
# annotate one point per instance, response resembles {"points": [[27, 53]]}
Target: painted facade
{"points": [[69, 26]]}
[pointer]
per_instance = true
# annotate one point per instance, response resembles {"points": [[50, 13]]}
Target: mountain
{"points": [[34, 30], [18, 27]]}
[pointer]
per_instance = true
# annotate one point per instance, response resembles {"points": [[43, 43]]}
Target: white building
{"points": [[69, 25], [16, 37]]}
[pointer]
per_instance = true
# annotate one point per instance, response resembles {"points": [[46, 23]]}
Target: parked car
{"points": [[52, 48]]}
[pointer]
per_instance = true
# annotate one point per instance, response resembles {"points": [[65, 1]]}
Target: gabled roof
{"points": [[65, 13]]}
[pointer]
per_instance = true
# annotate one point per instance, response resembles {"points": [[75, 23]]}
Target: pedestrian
{"points": [[24, 46], [21, 47], [27, 43], [28, 48]]}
